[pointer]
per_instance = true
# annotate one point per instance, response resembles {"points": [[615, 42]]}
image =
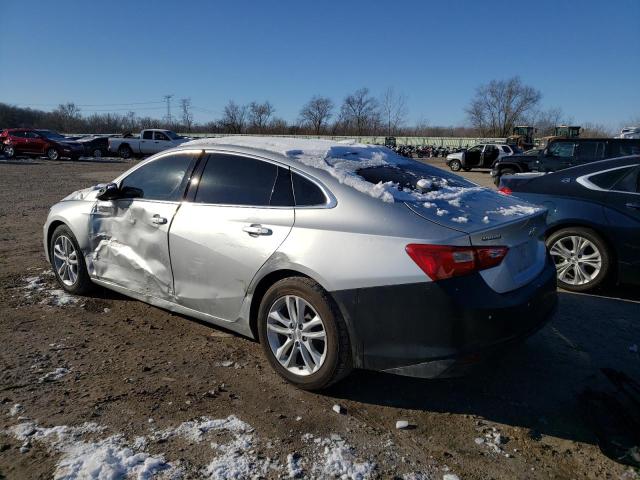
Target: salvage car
{"points": [[479, 156], [37, 143], [150, 141], [594, 220], [96, 146], [564, 153], [335, 256]]}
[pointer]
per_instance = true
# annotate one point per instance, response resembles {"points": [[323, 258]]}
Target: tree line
{"points": [[493, 111]]}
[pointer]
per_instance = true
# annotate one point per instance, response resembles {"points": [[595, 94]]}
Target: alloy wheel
{"points": [[296, 335], [65, 260], [578, 260], [53, 154]]}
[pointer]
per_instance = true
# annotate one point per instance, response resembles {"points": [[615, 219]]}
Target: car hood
{"points": [[86, 194], [455, 156]]}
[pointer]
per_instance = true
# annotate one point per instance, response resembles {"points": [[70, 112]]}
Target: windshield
{"points": [[51, 135]]}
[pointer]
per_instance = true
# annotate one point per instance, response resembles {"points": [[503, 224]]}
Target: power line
{"points": [[88, 104]]}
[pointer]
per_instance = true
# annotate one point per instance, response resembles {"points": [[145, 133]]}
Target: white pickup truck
{"points": [[150, 141]]}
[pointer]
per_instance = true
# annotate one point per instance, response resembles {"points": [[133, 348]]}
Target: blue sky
{"points": [[584, 56]]}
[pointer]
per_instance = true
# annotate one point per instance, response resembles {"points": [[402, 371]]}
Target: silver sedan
{"points": [[334, 255]]}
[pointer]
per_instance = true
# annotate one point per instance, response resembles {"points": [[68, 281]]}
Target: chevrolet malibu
{"points": [[333, 255]]}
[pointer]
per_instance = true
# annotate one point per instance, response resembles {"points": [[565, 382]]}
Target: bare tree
{"points": [[187, 114], [596, 130], [499, 105], [359, 112], [316, 113], [67, 117], [234, 118], [259, 114], [394, 109]]}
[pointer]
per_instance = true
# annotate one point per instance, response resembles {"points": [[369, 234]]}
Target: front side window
{"points": [[561, 149], [162, 179], [147, 135], [477, 148], [506, 149], [237, 180], [161, 136]]}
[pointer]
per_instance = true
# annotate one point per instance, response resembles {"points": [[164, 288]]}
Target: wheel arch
{"points": [[264, 283], [50, 229], [578, 223]]}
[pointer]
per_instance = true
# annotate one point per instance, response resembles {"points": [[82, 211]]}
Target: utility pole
{"points": [[167, 98]]}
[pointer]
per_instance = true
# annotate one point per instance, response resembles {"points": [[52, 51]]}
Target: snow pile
{"points": [[81, 459], [16, 410], [235, 459], [294, 467], [493, 440], [57, 374]]}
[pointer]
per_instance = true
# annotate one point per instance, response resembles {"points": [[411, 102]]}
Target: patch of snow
{"points": [[17, 409], [516, 210], [485, 219], [61, 298], [294, 467], [338, 409], [337, 460], [460, 219], [450, 476], [57, 374], [425, 183], [401, 424], [441, 212], [55, 297]]}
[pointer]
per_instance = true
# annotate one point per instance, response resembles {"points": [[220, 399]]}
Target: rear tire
{"points": [[97, 153], [9, 152], [65, 255], [125, 152], [276, 330], [582, 258], [455, 165]]}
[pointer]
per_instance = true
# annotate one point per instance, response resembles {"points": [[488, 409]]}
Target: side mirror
{"points": [[109, 192]]}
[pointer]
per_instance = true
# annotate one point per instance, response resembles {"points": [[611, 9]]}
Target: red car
{"points": [[31, 142]]}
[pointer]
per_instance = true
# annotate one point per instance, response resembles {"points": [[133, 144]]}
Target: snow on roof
{"points": [[451, 195]]}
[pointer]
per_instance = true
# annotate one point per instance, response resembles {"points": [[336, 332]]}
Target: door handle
{"points": [[633, 205], [255, 229], [158, 220]]}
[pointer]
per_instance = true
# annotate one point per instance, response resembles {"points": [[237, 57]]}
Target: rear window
{"points": [[407, 176]]}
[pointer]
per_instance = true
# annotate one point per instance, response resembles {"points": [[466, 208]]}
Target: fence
{"points": [[455, 142]]}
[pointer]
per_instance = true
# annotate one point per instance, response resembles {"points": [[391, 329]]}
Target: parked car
{"points": [[594, 219], [95, 145], [31, 142], [479, 156], [630, 132], [565, 153], [265, 237], [149, 141]]}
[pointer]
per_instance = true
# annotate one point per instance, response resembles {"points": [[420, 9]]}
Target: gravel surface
{"points": [[111, 386]]}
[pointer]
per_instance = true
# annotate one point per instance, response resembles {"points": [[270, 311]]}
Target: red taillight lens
{"points": [[444, 261], [505, 190]]}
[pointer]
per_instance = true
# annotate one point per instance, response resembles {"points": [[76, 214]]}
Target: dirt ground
{"points": [[113, 381]]}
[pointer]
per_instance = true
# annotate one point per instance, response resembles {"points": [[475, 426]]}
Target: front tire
{"points": [[303, 334], [68, 263], [97, 153], [9, 151], [52, 154], [581, 257], [455, 165]]}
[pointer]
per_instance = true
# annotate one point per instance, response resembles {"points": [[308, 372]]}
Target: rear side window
{"points": [[160, 136], [623, 149], [506, 149], [590, 151], [607, 180], [162, 179], [147, 135], [629, 182], [237, 180], [306, 192]]}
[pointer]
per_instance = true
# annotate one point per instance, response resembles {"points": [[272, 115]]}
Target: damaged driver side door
{"points": [[130, 235]]}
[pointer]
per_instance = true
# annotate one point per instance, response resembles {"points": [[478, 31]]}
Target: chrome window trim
{"points": [[586, 183], [331, 200]]}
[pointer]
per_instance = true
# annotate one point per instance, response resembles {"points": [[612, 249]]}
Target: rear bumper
{"points": [[438, 329]]}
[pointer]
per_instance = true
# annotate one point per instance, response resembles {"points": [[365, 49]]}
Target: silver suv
{"points": [[333, 255]]}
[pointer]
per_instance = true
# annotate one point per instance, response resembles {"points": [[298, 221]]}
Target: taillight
{"points": [[505, 190], [445, 261]]}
